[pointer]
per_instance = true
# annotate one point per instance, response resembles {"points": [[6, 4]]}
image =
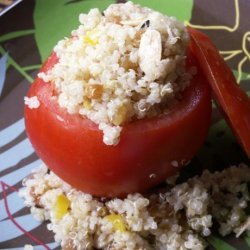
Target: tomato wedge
{"points": [[149, 151], [232, 100]]}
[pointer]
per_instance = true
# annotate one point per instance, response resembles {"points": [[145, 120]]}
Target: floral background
{"points": [[28, 33]]}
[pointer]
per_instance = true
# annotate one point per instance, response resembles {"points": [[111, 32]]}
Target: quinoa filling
{"points": [[125, 64]]}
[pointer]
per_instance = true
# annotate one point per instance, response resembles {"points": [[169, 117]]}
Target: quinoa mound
{"points": [[125, 64]]}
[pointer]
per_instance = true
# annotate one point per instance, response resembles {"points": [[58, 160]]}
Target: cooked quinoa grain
{"points": [[180, 217], [125, 64], [32, 102], [28, 247]]}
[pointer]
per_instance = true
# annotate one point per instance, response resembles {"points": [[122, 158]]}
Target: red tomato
{"points": [[232, 100], [72, 146]]}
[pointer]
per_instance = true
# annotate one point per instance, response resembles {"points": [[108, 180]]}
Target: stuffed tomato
{"points": [[121, 105]]}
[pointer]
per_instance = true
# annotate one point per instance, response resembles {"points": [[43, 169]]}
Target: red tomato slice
{"points": [[148, 151], [232, 100]]}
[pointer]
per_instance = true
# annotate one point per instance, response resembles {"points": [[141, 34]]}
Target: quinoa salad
{"points": [[121, 65], [172, 218], [124, 64]]}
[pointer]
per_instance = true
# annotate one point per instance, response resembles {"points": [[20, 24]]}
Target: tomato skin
{"points": [[231, 99], [73, 148]]}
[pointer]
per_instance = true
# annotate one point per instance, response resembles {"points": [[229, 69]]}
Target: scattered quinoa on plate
{"points": [[178, 217], [125, 64]]}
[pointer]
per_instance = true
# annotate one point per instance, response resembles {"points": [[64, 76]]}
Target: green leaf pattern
{"points": [[181, 9], [3, 67], [56, 22]]}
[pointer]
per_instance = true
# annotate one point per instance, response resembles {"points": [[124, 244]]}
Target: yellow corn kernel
{"points": [[61, 206], [117, 222], [90, 39]]}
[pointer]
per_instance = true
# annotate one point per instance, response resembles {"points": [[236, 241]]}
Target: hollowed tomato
{"points": [[149, 151]]}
